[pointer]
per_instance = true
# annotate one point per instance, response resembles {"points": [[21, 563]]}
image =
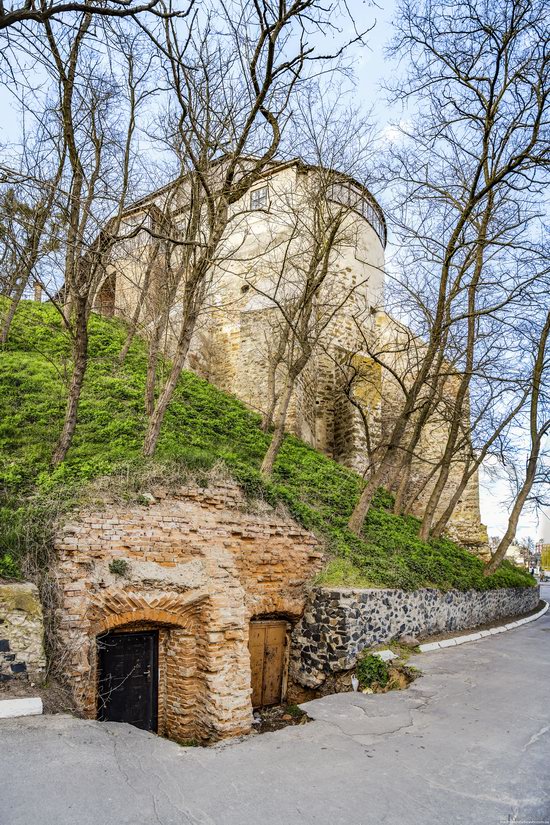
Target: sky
{"points": [[371, 67]]}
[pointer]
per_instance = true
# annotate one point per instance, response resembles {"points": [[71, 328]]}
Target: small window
{"points": [[258, 198]]}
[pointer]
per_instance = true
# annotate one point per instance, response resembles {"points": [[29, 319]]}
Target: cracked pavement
{"points": [[468, 742]]}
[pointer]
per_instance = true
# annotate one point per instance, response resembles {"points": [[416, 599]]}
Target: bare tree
{"points": [[97, 179], [472, 164], [495, 419], [233, 77], [538, 412], [29, 225]]}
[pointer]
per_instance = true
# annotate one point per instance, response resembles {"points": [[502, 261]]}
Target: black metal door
{"points": [[128, 678]]}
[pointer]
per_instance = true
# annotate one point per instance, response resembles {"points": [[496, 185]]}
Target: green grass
{"points": [[203, 427]]}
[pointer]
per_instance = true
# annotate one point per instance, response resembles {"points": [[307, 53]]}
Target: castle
{"points": [[182, 610], [257, 270]]}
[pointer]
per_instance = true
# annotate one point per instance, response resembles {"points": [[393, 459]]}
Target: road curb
{"points": [[29, 706], [481, 634]]}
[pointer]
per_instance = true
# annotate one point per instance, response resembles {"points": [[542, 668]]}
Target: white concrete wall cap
{"points": [[472, 637], [10, 708]]}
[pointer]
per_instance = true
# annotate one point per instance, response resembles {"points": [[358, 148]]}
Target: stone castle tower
{"points": [[233, 342]]}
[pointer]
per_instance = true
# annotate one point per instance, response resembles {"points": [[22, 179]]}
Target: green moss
{"points": [[294, 711], [203, 426]]}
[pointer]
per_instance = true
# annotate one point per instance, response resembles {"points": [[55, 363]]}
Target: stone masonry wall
{"points": [[21, 632], [200, 565], [338, 624]]}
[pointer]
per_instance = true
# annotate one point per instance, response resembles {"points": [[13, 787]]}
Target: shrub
{"points": [[9, 569], [119, 567], [372, 671]]}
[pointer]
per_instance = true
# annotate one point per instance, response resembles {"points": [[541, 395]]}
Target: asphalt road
{"points": [[469, 742]]}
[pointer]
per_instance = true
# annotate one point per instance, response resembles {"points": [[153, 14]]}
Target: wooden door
{"points": [[268, 645], [128, 678]]}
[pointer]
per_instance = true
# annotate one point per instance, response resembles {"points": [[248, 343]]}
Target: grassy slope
{"points": [[202, 426]]}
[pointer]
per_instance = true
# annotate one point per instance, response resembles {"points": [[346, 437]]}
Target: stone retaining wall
{"points": [[338, 624], [21, 632]]}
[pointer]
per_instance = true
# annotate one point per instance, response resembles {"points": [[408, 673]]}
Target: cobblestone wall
{"points": [[338, 624], [21, 632]]}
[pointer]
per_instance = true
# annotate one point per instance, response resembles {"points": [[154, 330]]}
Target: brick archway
{"points": [[179, 620], [116, 609], [145, 615]]}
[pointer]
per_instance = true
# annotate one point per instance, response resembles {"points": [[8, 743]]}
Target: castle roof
{"points": [[371, 210]]}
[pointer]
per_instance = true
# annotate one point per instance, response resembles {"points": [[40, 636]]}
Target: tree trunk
{"points": [[435, 496], [22, 280], [409, 504], [386, 472], [457, 419], [137, 312], [389, 466], [267, 417], [152, 364], [462, 393], [131, 331], [273, 396], [510, 533], [157, 416], [357, 518], [431, 362], [399, 503], [378, 479], [470, 469], [537, 434], [10, 315], [275, 445], [443, 519], [433, 501], [80, 359]]}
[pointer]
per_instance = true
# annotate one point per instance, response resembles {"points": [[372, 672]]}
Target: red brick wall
{"points": [[200, 565]]}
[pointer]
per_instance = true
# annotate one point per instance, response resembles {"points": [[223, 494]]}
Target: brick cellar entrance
{"points": [[128, 678], [158, 603], [151, 672], [269, 645]]}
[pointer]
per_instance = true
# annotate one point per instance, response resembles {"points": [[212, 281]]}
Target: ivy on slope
{"points": [[202, 427]]}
